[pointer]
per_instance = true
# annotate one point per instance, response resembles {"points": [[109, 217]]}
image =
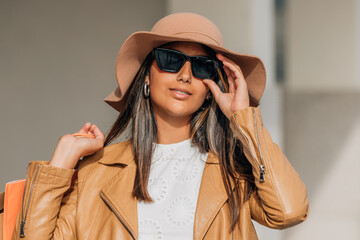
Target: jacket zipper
{"points": [[262, 167], [23, 218], [260, 164], [108, 202]]}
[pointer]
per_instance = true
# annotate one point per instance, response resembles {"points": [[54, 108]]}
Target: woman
{"points": [[198, 164]]}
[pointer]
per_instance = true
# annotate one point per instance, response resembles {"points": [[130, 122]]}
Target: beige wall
{"points": [[57, 63], [322, 114], [322, 45]]}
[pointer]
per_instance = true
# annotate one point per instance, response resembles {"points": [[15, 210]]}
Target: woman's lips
{"points": [[180, 93]]}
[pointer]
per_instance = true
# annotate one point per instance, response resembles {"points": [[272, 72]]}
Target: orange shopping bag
{"points": [[10, 205]]}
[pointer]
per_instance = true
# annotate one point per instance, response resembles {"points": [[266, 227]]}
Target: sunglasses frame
{"points": [[216, 62]]}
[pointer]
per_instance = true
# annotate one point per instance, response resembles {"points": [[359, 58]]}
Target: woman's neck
{"points": [[172, 129]]}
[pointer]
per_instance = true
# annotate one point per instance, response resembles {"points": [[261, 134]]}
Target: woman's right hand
{"points": [[71, 148]]}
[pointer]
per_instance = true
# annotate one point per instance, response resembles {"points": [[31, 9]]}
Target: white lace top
{"points": [[174, 183]]}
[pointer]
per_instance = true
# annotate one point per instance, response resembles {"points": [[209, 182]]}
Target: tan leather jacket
{"points": [[97, 204]]}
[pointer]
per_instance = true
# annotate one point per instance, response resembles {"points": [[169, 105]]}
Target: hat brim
{"points": [[136, 47]]}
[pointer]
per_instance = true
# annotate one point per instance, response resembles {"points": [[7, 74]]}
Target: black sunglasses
{"points": [[202, 67]]}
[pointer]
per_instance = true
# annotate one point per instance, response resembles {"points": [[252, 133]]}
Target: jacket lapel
{"points": [[117, 193], [212, 196]]}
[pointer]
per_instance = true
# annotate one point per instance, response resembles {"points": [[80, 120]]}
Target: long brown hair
{"points": [[210, 131]]}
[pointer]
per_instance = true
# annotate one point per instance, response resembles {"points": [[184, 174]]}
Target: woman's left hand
{"points": [[238, 96]]}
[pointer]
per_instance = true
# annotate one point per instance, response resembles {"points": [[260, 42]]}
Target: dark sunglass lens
{"points": [[204, 69], [169, 61]]}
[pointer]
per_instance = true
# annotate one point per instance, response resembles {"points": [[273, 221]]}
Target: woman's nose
{"points": [[185, 73]]}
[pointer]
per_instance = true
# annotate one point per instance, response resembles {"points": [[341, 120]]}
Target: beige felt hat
{"points": [[189, 27]]}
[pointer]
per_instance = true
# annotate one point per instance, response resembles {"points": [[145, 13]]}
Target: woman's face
{"points": [[177, 94]]}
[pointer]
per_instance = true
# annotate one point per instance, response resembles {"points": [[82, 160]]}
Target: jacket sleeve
{"points": [[280, 199], [49, 204]]}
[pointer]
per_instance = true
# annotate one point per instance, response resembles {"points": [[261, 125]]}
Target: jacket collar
{"points": [[118, 153], [117, 193]]}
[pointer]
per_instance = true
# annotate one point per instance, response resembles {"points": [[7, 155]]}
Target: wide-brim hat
{"points": [[189, 27]]}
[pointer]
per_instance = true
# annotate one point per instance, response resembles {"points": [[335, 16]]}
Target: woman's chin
{"points": [[181, 110], [177, 112], [175, 108]]}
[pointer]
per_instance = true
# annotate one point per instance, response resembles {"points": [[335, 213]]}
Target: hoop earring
{"points": [[146, 90]]}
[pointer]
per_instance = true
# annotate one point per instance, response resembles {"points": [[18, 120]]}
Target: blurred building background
{"points": [[57, 63]]}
